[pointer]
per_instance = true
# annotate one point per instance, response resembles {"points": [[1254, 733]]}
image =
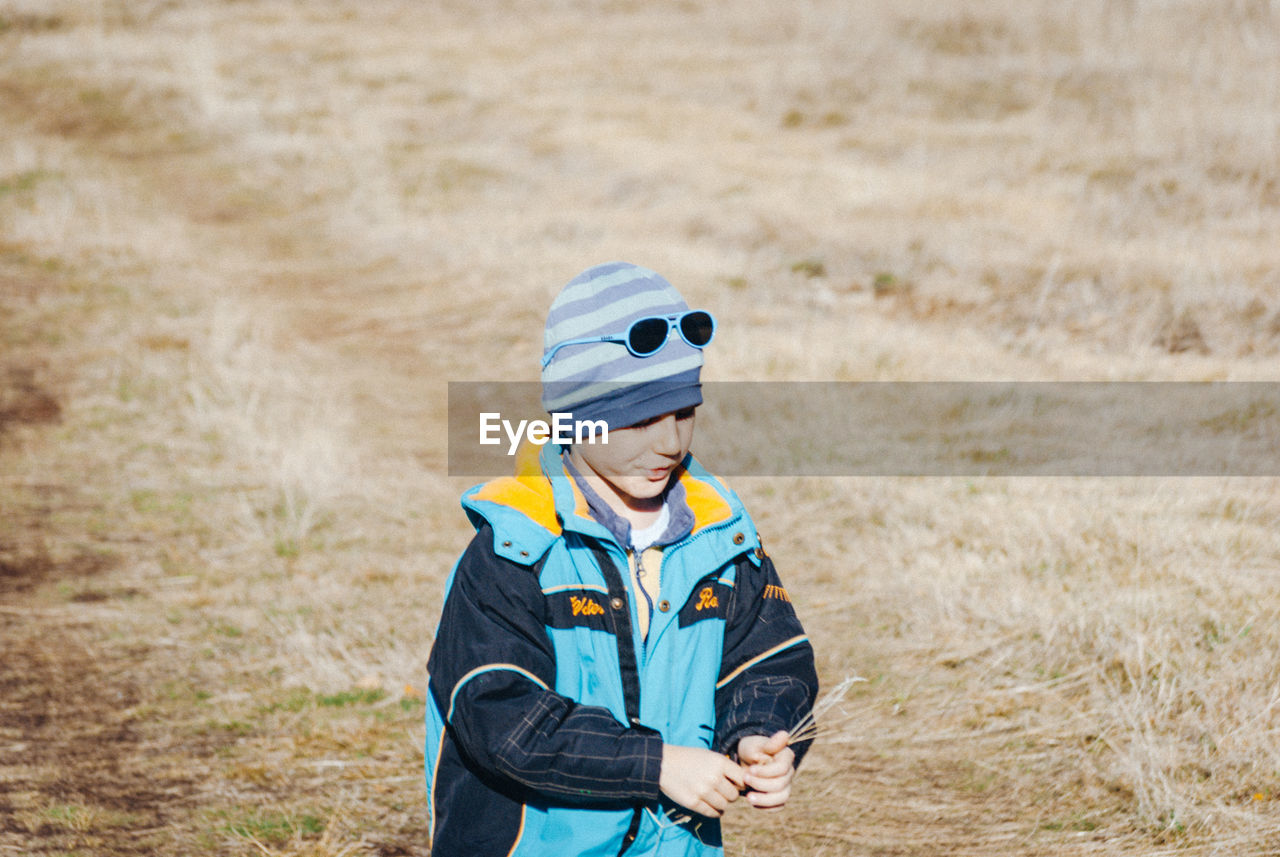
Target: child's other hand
{"points": [[698, 779], [769, 765]]}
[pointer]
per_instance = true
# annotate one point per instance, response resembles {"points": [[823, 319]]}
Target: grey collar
{"points": [[680, 525]]}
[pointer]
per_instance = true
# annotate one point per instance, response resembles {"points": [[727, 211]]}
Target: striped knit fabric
{"points": [[602, 380]]}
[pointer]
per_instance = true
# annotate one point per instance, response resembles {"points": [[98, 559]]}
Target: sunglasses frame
{"points": [[675, 322]]}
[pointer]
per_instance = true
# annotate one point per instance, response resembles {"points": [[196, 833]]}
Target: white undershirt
{"points": [[642, 539]]}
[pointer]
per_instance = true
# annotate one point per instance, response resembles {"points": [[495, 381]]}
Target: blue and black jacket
{"points": [[548, 710]]}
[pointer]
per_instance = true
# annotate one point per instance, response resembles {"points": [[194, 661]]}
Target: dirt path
{"points": [[81, 766], [103, 746]]}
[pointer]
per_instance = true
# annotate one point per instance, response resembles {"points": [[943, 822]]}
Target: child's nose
{"points": [[665, 436]]}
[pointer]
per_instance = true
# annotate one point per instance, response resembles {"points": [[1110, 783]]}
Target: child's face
{"points": [[637, 462]]}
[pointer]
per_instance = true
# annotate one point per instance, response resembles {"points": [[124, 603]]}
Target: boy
{"points": [[616, 661]]}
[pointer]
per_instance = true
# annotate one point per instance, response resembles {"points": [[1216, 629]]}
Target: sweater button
{"points": [[617, 603], [524, 554], [664, 605], [759, 553], [506, 544], [739, 538]]}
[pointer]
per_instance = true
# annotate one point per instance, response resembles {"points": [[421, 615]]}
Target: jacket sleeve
{"points": [[492, 668], [767, 677]]}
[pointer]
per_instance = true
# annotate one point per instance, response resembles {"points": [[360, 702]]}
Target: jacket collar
{"points": [[706, 501], [541, 501]]}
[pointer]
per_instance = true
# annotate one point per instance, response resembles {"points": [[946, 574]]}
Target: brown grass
{"points": [[243, 247]]}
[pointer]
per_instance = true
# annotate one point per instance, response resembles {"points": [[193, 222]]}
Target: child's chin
{"points": [[643, 488]]}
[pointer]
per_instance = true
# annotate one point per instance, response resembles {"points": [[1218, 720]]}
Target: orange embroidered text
{"points": [[707, 599], [777, 592], [585, 606]]}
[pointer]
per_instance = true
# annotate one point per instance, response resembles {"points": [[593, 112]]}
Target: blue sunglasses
{"points": [[646, 336]]}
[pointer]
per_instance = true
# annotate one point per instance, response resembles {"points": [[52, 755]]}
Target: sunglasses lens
{"points": [[648, 335], [696, 328]]}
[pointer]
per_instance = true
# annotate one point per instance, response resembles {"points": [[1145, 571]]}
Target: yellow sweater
{"points": [[646, 578]]}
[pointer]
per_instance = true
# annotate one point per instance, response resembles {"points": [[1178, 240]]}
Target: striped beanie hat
{"points": [[603, 380]]}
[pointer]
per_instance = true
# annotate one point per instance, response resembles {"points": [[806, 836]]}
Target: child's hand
{"points": [[770, 766], [698, 779]]}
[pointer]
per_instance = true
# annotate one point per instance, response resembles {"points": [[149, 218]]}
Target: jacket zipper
{"points": [[644, 592]]}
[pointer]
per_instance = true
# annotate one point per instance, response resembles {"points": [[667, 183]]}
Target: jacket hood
{"points": [[533, 508]]}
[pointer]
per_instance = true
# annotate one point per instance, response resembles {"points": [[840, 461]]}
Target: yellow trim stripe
{"points": [[485, 669], [435, 773], [576, 587], [760, 657], [524, 808]]}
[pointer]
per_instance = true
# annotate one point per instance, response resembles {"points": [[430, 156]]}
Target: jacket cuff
{"points": [[768, 705], [651, 761]]}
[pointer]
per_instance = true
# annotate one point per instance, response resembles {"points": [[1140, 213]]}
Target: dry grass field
{"points": [[244, 245]]}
